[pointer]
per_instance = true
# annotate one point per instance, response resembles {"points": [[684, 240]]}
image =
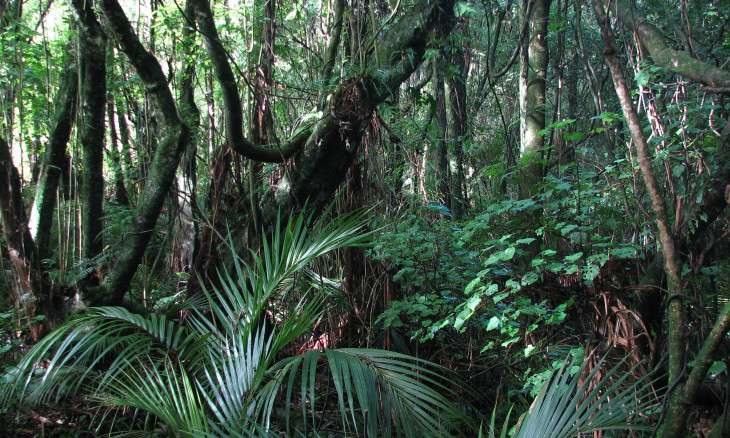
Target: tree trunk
{"points": [[41, 217], [163, 166], [21, 248], [532, 90], [677, 412], [93, 105]]}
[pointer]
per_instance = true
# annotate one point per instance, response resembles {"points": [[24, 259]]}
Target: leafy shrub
{"points": [[506, 272]]}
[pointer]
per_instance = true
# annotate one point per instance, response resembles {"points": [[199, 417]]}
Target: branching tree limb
{"points": [[663, 55], [231, 98]]}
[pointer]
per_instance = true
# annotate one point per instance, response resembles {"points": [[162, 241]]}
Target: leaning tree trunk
{"points": [[163, 167]]}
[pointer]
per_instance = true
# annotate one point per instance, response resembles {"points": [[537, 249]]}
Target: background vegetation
{"points": [[360, 217]]}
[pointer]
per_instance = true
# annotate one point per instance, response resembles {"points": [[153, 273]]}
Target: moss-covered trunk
{"points": [[92, 127], [533, 114], [163, 166], [54, 161]]}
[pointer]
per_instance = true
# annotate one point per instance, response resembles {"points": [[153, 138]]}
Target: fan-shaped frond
{"points": [[571, 404], [107, 336], [379, 393], [216, 375]]}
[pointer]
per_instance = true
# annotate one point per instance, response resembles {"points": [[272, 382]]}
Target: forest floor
{"points": [[71, 418]]}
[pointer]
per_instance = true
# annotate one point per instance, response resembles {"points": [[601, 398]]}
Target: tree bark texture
{"points": [[20, 245], [534, 95], [93, 110]]}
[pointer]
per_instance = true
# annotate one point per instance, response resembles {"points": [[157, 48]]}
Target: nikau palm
{"points": [[574, 402], [218, 372]]}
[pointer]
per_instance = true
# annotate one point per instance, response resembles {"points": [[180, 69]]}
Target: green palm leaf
{"points": [[378, 392], [161, 390], [106, 335], [216, 375], [571, 404]]}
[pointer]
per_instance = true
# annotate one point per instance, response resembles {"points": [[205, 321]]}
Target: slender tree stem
{"points": [[677, 413]]}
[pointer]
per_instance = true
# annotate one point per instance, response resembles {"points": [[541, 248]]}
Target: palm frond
{"points": [[216, 375], [570, 404], [104, 335], [379, 393], [160, 388]]}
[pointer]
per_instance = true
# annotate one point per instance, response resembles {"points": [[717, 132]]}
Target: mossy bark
{"points": [[533, 116], [54, 161], [163, 167], [93, 110]]}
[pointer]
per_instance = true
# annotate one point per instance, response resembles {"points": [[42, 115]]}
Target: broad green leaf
{"points": [[573, 257], [493, 323]]}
